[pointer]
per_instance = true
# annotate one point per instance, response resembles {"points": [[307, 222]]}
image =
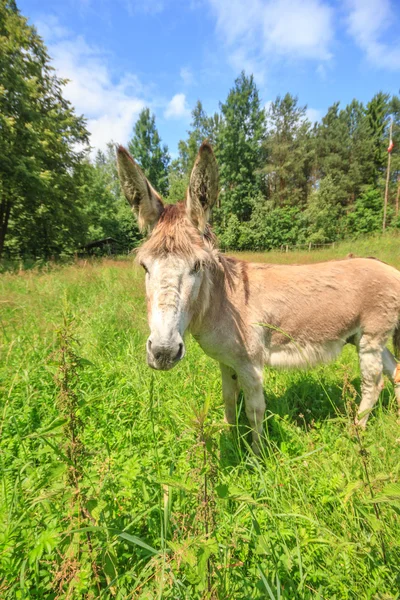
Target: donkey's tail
{"points": [[396, 340]]}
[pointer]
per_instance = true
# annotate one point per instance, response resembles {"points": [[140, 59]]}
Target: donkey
{"points": [[246, 315]]}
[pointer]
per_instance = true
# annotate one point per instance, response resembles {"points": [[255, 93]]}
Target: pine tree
{"points": [[377, 118], [202, 127], [344, 150], [239, 148], [289, 151], [145, 147]]}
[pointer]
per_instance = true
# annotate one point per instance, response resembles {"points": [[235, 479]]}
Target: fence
{"points": [[309, 246]]}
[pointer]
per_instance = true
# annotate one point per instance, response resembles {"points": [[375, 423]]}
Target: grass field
{"points": [[121, 482]]}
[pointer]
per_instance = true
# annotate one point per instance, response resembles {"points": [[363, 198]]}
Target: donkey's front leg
{"points": [[230, 392], [251, 380]]}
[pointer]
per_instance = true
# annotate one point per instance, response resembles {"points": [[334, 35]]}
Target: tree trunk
{"points": [[5, 209]]}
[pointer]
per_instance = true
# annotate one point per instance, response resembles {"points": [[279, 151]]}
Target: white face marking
{"points": [[172, 288]]}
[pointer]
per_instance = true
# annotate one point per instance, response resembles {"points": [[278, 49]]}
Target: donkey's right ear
{"points": [[143, 198]]}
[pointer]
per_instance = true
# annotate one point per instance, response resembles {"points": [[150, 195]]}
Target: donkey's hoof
{"points": [[256, 447]]}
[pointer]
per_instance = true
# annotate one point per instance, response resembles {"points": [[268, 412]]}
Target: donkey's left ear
{"points": [[203, 187]]}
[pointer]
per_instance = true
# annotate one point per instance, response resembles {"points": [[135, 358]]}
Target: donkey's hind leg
{"points": [[392, 369], [371, 366], [230, 392]]}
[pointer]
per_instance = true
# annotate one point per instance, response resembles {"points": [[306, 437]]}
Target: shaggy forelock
{"points": [[174, 234]]}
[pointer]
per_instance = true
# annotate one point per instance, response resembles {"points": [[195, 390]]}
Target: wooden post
{"points": [[287, 247], [309, 246], [387, 180], [397, 196]]}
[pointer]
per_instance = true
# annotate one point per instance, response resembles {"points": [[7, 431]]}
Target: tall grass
{"points": [[120, 482]]}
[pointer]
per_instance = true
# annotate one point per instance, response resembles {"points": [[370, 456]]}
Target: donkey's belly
{"points": [[304, 355]]}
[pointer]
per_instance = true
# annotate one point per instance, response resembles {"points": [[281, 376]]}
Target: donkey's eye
{"points": [[196, 267], [144, 267]]}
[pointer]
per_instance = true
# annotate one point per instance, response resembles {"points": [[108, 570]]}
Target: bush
{"points": [[323, 212], [367, 215]]}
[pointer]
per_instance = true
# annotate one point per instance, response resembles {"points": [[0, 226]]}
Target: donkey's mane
{"points": [[175, 234]]}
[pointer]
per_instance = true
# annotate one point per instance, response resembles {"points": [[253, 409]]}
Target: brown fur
{"points": [[174, 233]]}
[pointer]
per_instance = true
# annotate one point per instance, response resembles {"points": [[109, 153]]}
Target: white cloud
{"points": [[367, 22], [50, 29], [259, 31], [111, 105], [177, 108], [187, 76]]}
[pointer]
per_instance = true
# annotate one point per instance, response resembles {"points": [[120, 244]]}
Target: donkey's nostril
{"points": [[149, 344], [180, 352]]}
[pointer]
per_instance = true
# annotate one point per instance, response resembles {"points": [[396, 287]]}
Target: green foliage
{"points": [[145, 147], [377, 111], [105, 207], [239, 148], [323, 213], [159, 499], [289, 151], [39, 169], [202, 128], [281, 180], [367, 214], [268, 228]]}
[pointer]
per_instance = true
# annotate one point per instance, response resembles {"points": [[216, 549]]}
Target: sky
{"points": [[122, 55]]}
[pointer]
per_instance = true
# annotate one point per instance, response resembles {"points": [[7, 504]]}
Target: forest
{"points": [[283, 179]]}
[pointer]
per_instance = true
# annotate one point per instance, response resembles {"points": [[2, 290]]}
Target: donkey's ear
{"points": [[144, 200], [203, 187]]}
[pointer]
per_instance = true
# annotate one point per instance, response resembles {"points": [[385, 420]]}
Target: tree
{"points": [[289, 151], [202, 128], [41, 146], [377, 119], [344, 150], [145, 147], [323, 213], [106, 210], [239, 148]]}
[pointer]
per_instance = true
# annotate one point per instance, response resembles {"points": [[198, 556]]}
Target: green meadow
{"points": [[120, 482]]}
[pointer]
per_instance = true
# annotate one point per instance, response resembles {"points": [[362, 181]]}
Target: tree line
{"points": [[283, 179]]}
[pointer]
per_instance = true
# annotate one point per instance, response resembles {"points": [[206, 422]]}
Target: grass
{"points": [[120, 482]]}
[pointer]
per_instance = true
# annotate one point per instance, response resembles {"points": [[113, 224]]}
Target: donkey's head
{"points": [[176, 253]]}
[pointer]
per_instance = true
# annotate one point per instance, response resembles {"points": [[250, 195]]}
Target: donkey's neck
{"points": [[222, 290]]}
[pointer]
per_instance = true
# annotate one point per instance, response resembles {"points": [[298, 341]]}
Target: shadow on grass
{"points": [[303, 404]]}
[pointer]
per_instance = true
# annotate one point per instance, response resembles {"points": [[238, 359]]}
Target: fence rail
{"points": [[309, 246]]}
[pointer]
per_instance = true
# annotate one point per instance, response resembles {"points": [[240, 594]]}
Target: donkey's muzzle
{"points": [[164, 355]]}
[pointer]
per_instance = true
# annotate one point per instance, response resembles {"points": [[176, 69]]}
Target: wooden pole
{"points": [[387, 181]]}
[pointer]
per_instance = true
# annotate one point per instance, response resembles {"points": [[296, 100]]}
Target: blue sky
{"points": [[122, 55]]}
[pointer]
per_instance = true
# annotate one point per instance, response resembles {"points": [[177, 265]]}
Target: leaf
{"points": [[266, 584], [375, 523], [55, 424], [222, 490], [351, 488], [390, 493], [133, 539]]}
